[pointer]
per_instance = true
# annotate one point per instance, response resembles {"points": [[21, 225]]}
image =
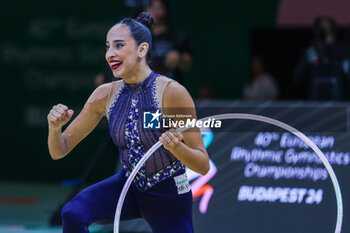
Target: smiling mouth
{"points": [[115, 64]]}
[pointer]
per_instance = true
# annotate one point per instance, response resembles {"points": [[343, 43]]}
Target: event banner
{"points": [[265, 179]]}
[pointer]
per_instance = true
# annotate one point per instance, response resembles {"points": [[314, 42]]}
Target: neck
{"points": [[138, 75]]}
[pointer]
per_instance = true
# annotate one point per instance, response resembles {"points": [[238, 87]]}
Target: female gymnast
{"points": [[160, 192]]}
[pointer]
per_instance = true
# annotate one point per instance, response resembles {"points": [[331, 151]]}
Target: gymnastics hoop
{"points": [[241, 116]]}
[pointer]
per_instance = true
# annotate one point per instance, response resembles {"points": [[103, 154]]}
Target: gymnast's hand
{"points": [[170, 139], [58, 116]]}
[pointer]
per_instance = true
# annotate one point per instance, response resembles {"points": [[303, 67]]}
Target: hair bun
{"points": [[146, 19]]}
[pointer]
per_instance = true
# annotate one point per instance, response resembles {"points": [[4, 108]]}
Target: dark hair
{"points": [[140, 29]]}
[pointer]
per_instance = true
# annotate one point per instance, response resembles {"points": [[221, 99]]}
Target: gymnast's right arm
{"points": [[60, 144]]}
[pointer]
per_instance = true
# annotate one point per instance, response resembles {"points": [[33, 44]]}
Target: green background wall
{"points": [[50, 52]]}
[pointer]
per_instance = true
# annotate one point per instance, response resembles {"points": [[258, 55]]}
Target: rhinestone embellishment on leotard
{"points": [[133, 142], [136, 149]]}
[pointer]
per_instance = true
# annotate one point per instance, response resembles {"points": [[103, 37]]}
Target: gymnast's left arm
{"points": [[191, 152]]}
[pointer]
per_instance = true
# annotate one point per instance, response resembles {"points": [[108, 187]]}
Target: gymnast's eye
{"points": [[119, 45]]}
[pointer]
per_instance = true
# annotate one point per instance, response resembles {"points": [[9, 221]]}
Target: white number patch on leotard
{"points": [[182, 183]]}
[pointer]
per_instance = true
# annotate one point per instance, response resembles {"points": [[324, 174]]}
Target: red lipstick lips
{"points": [[115, 64]]}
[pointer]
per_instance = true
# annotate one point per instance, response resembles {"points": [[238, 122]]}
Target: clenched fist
{"points": [[58, 116], [170, 139]]}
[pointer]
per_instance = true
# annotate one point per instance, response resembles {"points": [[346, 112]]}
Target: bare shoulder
{"points": [[101, 92], [176, 95], [98, 99]]}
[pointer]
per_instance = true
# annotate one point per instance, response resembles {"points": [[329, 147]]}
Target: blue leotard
{"points": [[160, 192]]}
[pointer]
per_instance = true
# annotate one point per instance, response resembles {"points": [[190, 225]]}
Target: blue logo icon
{"points": [[151, 120]]}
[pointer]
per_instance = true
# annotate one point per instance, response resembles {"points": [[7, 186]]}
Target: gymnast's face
{"points": [[122, 52]]}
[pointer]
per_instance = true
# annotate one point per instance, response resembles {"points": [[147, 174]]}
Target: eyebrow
{"points": [[116, 41]]}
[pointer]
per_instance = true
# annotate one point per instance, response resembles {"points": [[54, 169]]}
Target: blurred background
{"points": [[288, 59]]}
